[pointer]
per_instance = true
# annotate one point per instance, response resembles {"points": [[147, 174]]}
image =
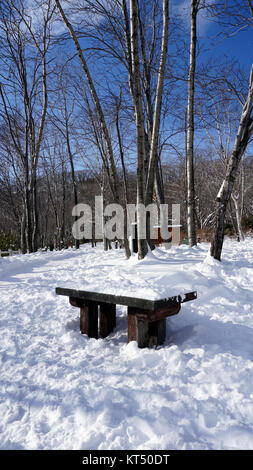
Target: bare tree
{"points": [[146, 140], [63, 118], [153, 158], [139, 120], [190, 189], [26, 48], [127, 32], [235, 17], [109, 158], [219, 112], [245, 130], [54, 165]]}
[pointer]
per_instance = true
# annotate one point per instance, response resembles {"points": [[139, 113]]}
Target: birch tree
{"points": [[235, 17], [190, 189], [110, 160], [63, 118], [139, 120], [153, 158], [244, 133], [146, 164], [54, 177], [23, 88], [219, 112], [128, 53]]}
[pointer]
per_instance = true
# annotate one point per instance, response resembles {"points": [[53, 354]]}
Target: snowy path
{"points": [[61, 390]]}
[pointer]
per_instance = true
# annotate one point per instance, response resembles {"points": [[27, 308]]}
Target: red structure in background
{"points": [[158, 239]]}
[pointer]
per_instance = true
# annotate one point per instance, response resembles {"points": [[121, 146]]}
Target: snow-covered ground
{"points": [[61, 390]]}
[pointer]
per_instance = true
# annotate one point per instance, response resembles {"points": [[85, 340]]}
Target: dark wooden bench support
{"points": [[89, 320], [147, 334], [148, 327], [107, 319], [157, 332], [89, 317], [84, 320]]}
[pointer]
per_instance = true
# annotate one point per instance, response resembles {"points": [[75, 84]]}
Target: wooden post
{"points": [[131, 324], [107, 319], [88, 316], [161, 331], [148, 328], [138, 329], [157, 332], [89, 319], [84, 320], [143, 333]]}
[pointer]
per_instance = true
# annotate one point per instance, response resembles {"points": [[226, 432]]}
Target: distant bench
{"points": [[146, 318]]}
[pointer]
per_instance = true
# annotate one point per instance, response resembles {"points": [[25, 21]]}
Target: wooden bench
{"points": [[146, 318]]}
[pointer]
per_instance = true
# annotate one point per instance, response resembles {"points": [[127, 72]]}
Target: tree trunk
{"points": [[148, 54], [35, 217], [126, 199], [28, 220], [106, 135], [158, 104], [190, 193], [95, 100], [22, 233], [73, 176], [238, 217], [139, 121], [63, 215], [159, 189], [244, 133], [153, 169]]}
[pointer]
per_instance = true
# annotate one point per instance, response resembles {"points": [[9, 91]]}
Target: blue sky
{"points": [[238, 46]]}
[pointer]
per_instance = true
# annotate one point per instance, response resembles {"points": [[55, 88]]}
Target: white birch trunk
{"points": [[238, 217], [244, 133], [158, 105], [190, 190], [139, 120]]}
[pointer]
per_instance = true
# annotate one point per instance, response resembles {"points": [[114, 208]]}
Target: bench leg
{"points": [[157, 332], [107, 319], [146, 333], [132, 327], [138, 330], [142, 333], [89, 320]]}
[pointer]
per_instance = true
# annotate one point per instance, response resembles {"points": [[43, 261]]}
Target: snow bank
{"points": [[62, 390]]}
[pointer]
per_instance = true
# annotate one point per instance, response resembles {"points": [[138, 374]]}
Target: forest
{"points": [[126, 100], [113, 111]]}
